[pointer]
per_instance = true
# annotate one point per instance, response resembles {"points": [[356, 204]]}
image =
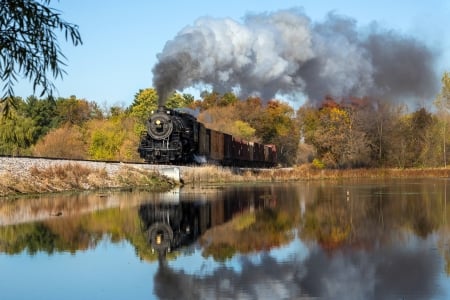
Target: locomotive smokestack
{"points": [[286, 53]]}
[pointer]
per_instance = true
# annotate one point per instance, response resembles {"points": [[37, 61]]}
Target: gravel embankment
{"points": [[28, 175], [20, 167]]}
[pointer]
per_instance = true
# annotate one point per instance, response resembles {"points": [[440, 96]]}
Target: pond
{"points": [[322, 239]]}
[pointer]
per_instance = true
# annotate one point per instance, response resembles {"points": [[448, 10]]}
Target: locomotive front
{"points": [[169, 137]]}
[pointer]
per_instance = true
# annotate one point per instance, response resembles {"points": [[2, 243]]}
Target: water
{"points": [[311, 240]]}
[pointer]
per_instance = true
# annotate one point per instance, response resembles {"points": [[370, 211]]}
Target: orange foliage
{"points": [[65, 142]]}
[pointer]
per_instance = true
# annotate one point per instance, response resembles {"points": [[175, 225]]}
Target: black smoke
{"points": [[286, 53]]}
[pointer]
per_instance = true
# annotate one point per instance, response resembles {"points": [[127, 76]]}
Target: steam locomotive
{"points": [[176, 137]]}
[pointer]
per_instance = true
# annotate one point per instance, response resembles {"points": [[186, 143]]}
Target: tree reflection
{"points": [[256, 223], [226, 225], [359, 216], [363, 240]]}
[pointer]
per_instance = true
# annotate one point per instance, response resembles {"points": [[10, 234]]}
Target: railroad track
{"points": [[74, 159]]}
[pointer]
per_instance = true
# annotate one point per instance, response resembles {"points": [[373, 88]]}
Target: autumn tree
{"points": [[67, 141], [336, 132], [209, 99], [74, 111], [29, 45], [442, 103], [249, 110], [377, 120], [276, 125]]}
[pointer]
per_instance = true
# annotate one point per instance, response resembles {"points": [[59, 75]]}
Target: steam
{"points": [[286, 53]]}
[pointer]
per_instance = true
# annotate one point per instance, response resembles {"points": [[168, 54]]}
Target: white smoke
{"points": [[285, 52]]}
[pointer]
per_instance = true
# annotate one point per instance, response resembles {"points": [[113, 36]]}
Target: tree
{"points": [[74, 111], [144, 102], [43, 113], [243, 129], [114, 138], [17, 133], [336, 131], [414, 141], [276, 125], [29, 45], [177, 100], [443, 98], [66, 141], [442, 102]]}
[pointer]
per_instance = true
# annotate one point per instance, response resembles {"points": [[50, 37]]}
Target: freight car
{"points": [[176, 137]]}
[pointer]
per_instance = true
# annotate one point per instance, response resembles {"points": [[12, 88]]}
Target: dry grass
{"points": [[74, 176], [131, 177], [65, 177], [64, 171], [209, 174], [217, 174]]}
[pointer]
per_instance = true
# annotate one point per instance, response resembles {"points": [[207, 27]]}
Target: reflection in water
{"points": [[342, 240], [169, 225]]}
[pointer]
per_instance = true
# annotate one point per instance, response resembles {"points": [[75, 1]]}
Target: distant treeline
{"points": [[340, 133]]}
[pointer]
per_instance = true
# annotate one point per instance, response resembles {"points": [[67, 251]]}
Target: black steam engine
{"points": [[171, 136], [175, 137]]}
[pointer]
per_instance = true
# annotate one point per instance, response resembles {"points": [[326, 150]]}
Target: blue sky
{"points": [[121, 39]]}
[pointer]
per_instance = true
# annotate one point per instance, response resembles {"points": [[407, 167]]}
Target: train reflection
{"points": [[180, 219]]}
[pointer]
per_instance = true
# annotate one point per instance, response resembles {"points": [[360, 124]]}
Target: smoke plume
{"points": [[286, 53]]}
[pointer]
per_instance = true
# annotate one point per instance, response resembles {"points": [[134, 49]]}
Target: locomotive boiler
{"points": [[176, 137]]}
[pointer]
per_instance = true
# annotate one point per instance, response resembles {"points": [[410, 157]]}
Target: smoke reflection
{"points": [[395, 273]]}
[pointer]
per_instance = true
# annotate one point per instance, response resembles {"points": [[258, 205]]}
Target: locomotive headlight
{"points": [[158, 122]]}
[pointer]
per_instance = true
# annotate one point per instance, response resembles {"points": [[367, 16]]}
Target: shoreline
{"points": [[27, 176]]}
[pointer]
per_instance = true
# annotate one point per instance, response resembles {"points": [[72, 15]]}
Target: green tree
{"points": [[43, 113], [113, 139], [145, 101], [228, 99], [17, 133], [106, 140], [29, 45], [177, 100]]}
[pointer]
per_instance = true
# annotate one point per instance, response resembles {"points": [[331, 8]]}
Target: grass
{"points": [[74, 176], [218, 174]]}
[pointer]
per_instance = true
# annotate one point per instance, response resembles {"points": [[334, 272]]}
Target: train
{"points": [[173, 136]]}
